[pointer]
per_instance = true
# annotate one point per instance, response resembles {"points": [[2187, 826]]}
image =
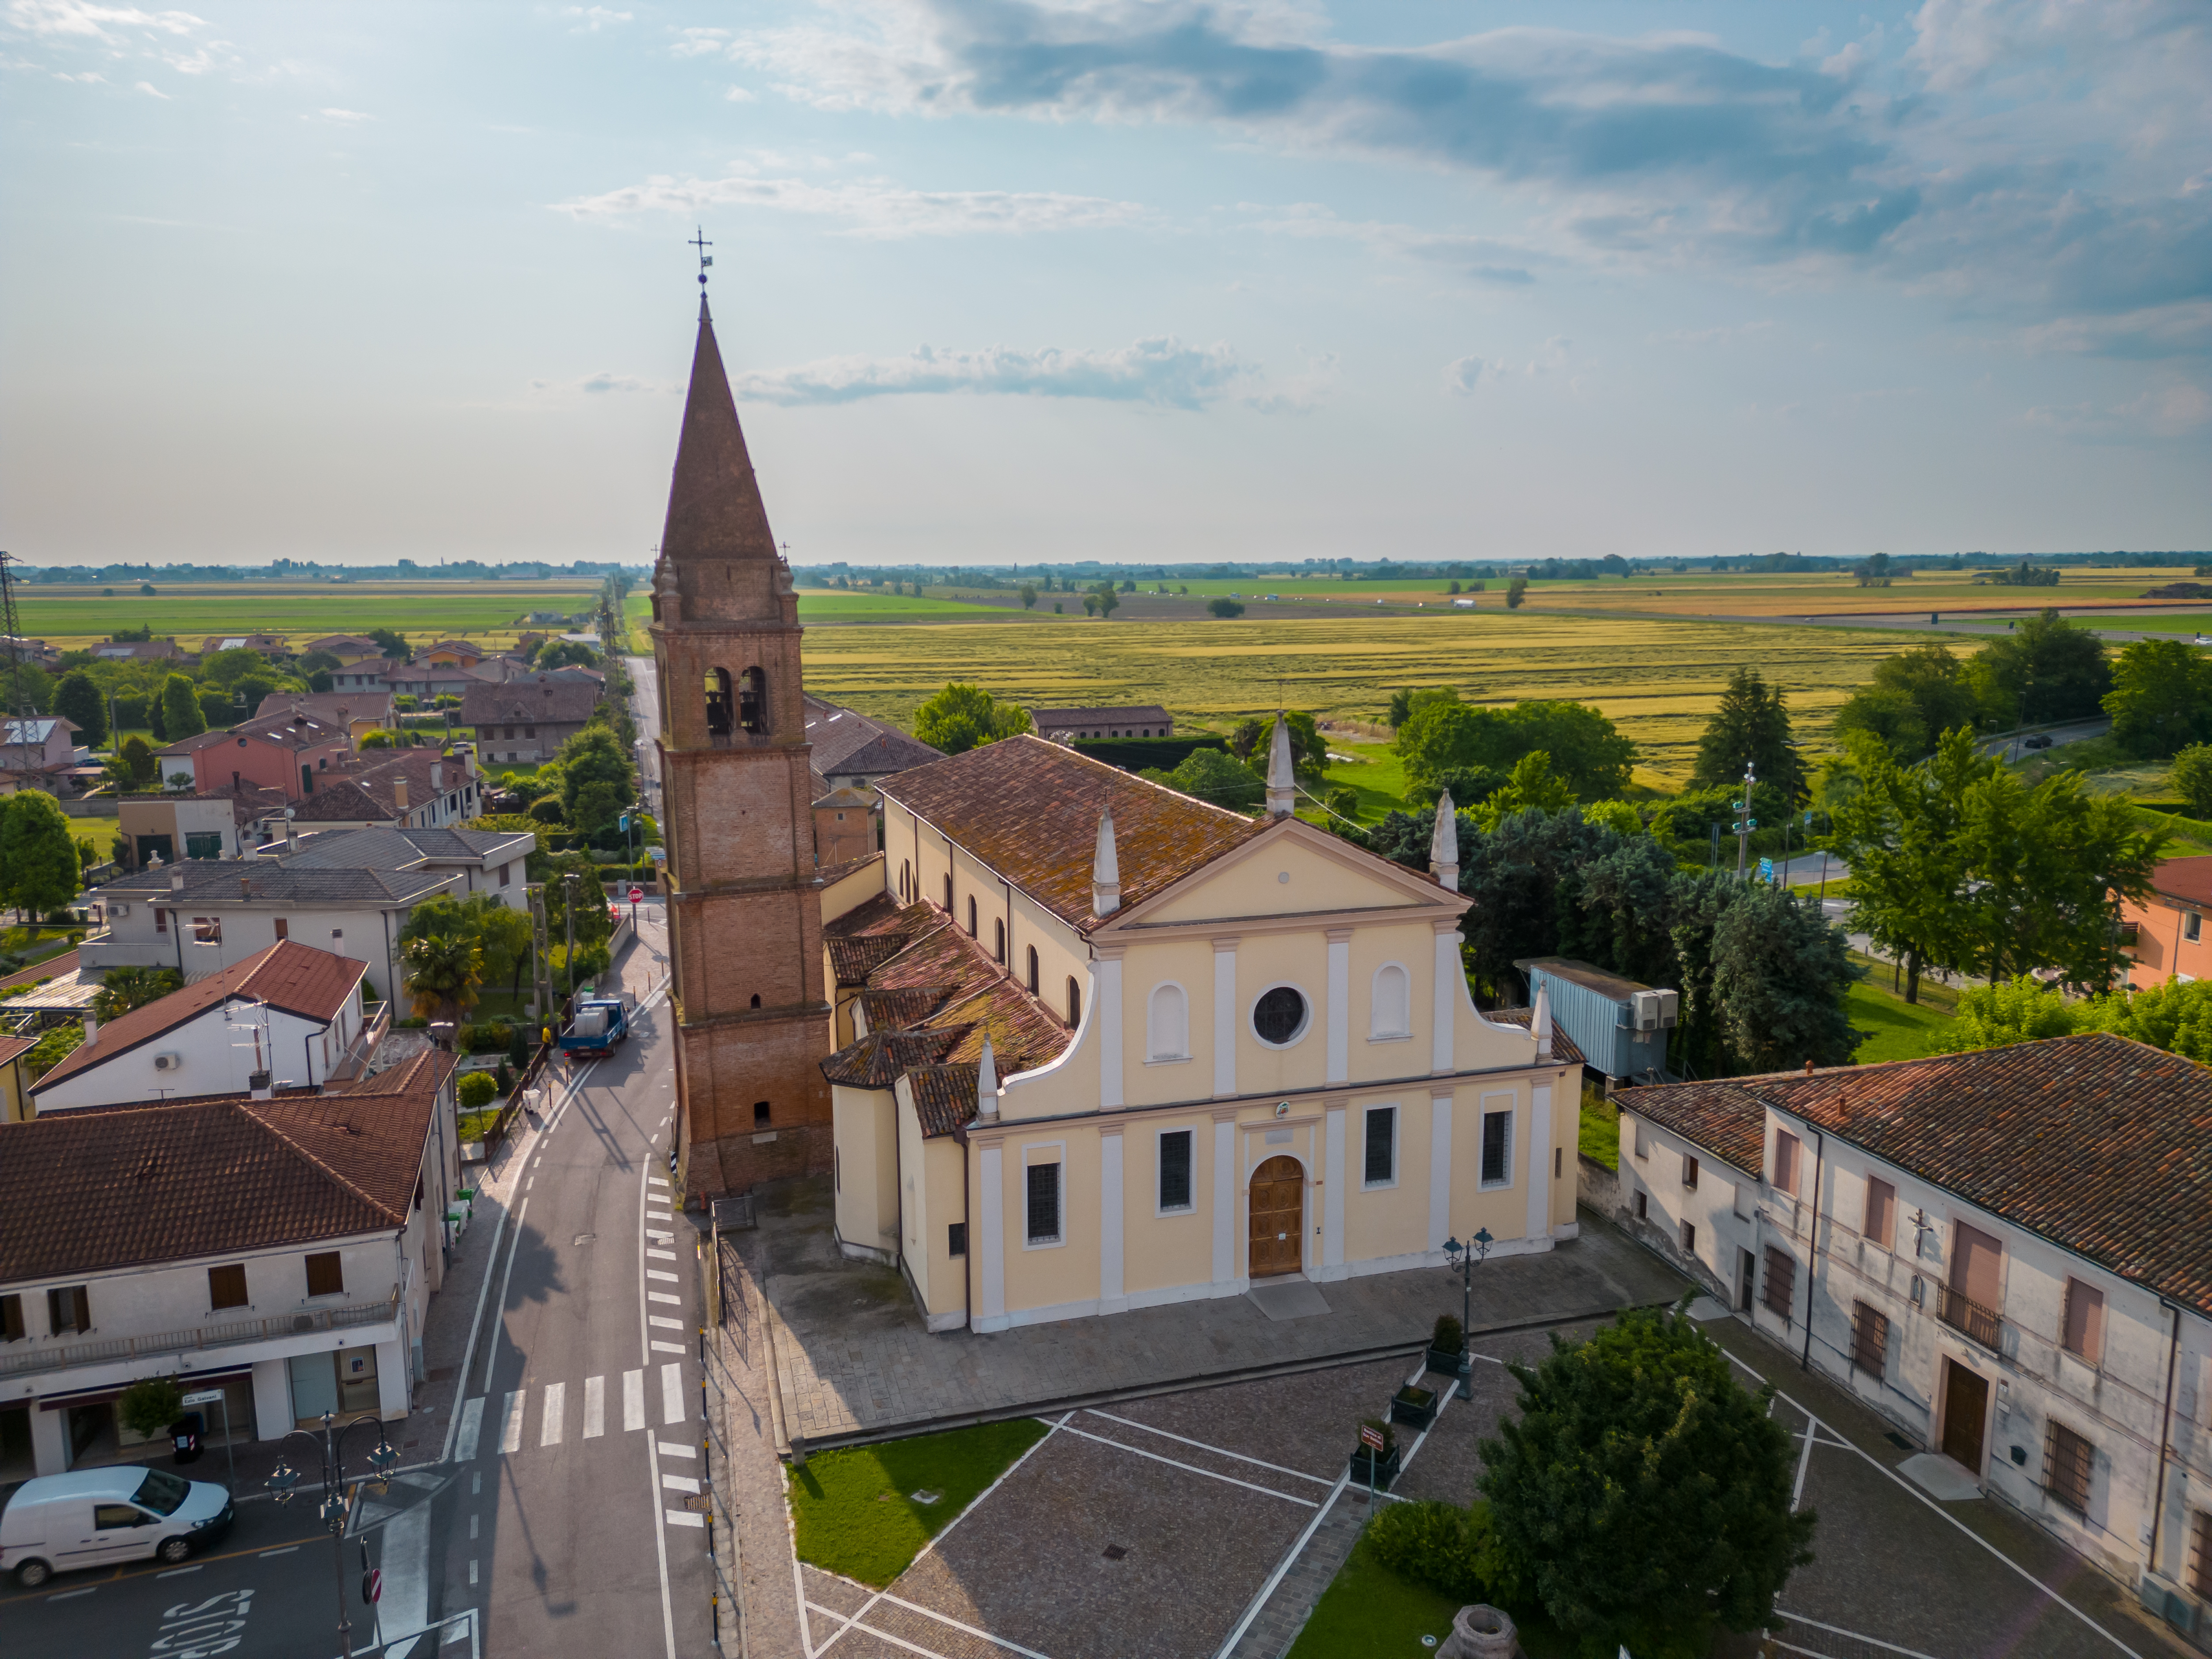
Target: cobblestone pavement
{"points": [[854, 1361]]}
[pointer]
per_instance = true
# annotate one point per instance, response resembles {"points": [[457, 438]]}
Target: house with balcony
{"points": [[280, 1245], [478, 861], [46, 742], [396, 789], [287, 752], [291, 1013], [357, 712], [2008, 1254]]}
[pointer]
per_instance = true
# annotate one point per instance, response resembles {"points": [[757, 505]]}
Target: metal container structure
{"points": [[1620, 1025]]}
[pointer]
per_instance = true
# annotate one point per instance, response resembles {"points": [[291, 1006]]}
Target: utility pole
{"points": [[1745, 823]]}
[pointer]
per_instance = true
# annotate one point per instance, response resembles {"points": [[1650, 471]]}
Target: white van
{"points": [[93, 1517]]}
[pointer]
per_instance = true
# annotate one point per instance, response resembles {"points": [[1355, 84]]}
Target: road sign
{"points": [[635, 894], [204, 1397], [1370, 1436], [372, 1586], [1766, 869]]}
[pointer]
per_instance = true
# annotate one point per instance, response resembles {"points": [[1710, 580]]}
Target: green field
{"points": [[424, 611], [866, 1511]]}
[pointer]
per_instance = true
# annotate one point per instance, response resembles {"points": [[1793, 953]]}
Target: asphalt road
{"points": [[557, 1522]]}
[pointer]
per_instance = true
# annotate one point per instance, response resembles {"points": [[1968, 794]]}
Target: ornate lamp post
{"points": [[1463, 1257], [329, 1451]]}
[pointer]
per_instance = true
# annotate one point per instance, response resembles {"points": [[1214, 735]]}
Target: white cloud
{"points": [[736, 96], [1464, 374], [870, 207], [151, 90], [82, 21], [344, 118], [1164, 373], [701, 42], [590, 20], [2175, 410], [1499, 261]]}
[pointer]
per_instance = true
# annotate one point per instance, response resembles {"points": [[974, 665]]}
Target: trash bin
{"points": [[185, 1436]]}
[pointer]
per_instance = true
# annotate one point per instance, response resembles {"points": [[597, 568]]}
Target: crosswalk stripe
{"points": [[556, 1402], [464, 1441], [685, 1518], [661, 1321], [660, 1256], [654, 1232], [510, 1424], [660, 1215], [595, 1407], [633, 1400], [680, 1483], [664, 1278], [663, 1296], [672, 1393], [669, 1347]]}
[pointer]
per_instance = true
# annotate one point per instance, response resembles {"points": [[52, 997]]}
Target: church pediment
{"points": [[1290, 869]]}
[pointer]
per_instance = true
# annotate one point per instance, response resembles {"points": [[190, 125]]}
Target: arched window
{"points": [[1033, 972], [718, 703], [756, 999], [1390, 1009], [1167, 1024], [1074, 1003], [752, 700], [998, 941], [971, 916]]}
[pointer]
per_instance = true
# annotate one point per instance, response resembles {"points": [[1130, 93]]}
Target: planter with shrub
{"points": [[478, 1091], [1448, 1347], [1414, 1406]]}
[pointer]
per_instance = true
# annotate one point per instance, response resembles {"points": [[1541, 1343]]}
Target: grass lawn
{"points": [[1600, 1134], [1900, 1030], [1368, 1612], [1377, 776], [853, 1510]]}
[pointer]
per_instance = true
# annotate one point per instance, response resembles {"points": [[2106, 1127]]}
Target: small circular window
{"points": [[1279, 1016]]}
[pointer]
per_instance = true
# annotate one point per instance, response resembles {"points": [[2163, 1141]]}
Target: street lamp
{"points": [[568, 915], [330, 1450], [1463, 1257]]}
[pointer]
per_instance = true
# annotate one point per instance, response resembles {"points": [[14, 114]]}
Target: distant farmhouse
{"points": [[1065, 725]]}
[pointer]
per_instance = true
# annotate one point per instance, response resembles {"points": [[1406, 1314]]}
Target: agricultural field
{"points": [[819, 608], [490, 612], [1657, 680]]}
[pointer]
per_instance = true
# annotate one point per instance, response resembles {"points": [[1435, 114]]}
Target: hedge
{"points": [[1135, 754]]}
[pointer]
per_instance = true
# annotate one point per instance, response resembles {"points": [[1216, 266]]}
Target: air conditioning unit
{"points": [[1652, 1011], [2168, 1601], [168, 1063]]}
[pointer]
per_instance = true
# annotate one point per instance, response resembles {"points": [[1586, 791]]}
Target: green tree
{"points": [[1108, 600], [1029, 596], [1763, 977], [1409, 701], [1641, 1495], [1751, 726], [962, 717], [78, 698], [38, 855], [1213, 776], [594, 923], [319, 662], [1224, 608], [500, 932], [596, 780], [180, 710], [1900, 831], [443, 971], [2191, 778], [2176, 1016], [226, 668], [2009, 1011], [150, 1404], [135, 766], [2046, 670], [1910, 699], [1587, 751], [1309, 748], [1531, 785], [126, 988], [2161, 696], [1517, 592], [391, 644]]}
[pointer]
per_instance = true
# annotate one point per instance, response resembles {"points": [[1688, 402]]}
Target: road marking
{"points": [[491, 1344], [595, 1407], [556, 1402], [664, 1238], [663, 1322], [669, 1347], [684, 1518], [510, 1424], [661, 1255], [476, 1484], [682, 1483], [1201, 1445], [663, 1296], [1193, 1468], [656, 1180], [1832, 1629], [71, 1595], [670, 1448], [472, 1429], [179, 1572], [405, 1560], [476, 1524], [660, 1215], [633, 1400], [663, 1275], [288, 1549], [672, 1394], [472, 1569]]}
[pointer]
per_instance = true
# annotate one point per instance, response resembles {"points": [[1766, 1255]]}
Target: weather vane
{"points": [[698, 240]]}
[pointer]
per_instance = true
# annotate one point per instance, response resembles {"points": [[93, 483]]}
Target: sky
{"points": [[1002, 281]]}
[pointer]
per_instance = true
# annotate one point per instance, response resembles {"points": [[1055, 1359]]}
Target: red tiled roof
{"points": [[1029, 810], [944, 1096], [2102, 1145], [1720, 1115], [882, 914], [50, 968], [120, 1186], [295, 978], [2187, 879]]}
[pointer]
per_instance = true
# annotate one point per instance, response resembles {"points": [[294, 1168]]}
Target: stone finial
{"points": [[1282, 780], [986, 1082], [1105, 869], [1443, 845], [1539, 1021]]}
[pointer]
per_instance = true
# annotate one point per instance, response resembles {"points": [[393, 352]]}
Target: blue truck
{"points": [[600, 1023]]}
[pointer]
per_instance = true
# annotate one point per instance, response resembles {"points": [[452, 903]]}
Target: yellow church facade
{"points": [[1101, 1046]]}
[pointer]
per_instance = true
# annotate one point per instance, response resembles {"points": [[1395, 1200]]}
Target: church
{"points": [[1070, 1042]]}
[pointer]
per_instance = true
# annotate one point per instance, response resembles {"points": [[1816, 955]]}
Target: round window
{"points": [[1279, 1016]]}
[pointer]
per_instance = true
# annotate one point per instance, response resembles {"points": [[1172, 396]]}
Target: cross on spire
{"points": [[698, 240]]}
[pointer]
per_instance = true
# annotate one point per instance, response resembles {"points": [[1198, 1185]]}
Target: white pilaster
{"points": [[992, 1293], [1332, 1199], [1440, 1151], [1224, 1199], [272, 1400], [1449, 980], [1110, 1298], [49, 1442], [1224, 1017], [1340, 1005], [1106, 989], [1539, 1161]]}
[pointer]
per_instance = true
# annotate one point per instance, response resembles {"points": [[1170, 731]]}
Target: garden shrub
{"points": [[150, 1404], [1439, 1545], [478, 1091], [1448, 1337]]}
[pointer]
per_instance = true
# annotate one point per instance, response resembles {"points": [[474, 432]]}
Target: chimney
{"points": [[1105, 870], [1443, 845], [437, 777], [1809, 1064], [91, 1028], [987, 1084], [257, 1083], [1282, 782], [246, 887], [177, 882], [1541, 1022], [399, 794], [291, 833]]}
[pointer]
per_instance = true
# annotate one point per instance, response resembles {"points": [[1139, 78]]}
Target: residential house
{"points": [[851, 751], [15, 1105], [47, 743], [365, 676], [37, 652], [348, 648], [524, 722], [427, 681], [272, 645], [2163, 934], [1066, 725], [480, 861], [137, 651], [453, 653], [290, 1017], [394, 788], [1102, 1046], [2008, 1254], [847, 823], [285, 752], [175, 826], [357, 712], [280, 1246]]}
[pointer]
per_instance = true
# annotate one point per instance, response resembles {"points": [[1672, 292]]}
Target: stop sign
{"points": [[635, 894]]}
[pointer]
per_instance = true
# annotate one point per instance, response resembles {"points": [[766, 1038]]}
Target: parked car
{"points": [[96, 1517], [2040, 740]]}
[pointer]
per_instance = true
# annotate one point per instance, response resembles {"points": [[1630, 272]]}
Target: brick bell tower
{"points": [[744, 912]]}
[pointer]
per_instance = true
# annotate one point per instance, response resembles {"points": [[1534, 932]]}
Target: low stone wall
{"points": [[1597, 1186]]}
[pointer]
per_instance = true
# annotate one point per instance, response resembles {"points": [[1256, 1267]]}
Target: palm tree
{"points": [[443, 972]]}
